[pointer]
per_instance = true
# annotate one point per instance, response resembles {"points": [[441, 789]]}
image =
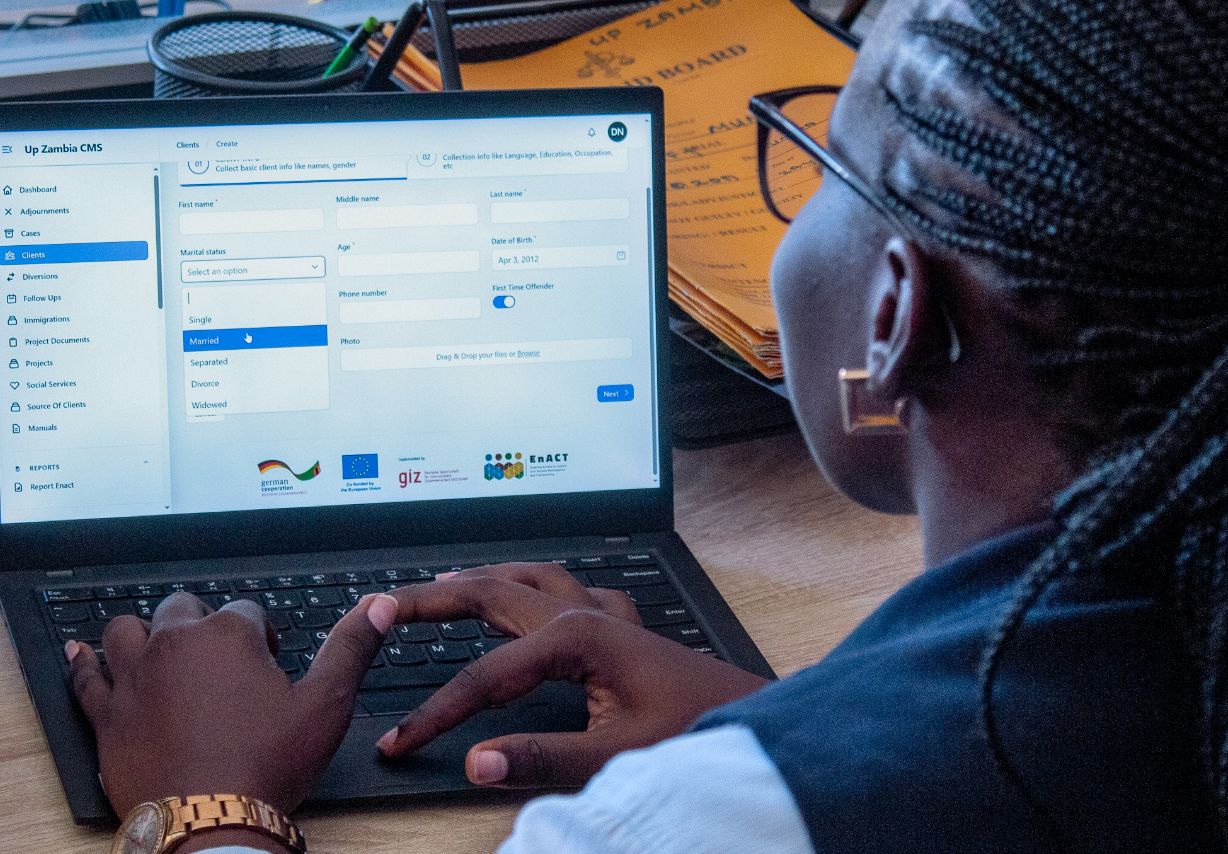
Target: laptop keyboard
{"points": [[416, 658]]}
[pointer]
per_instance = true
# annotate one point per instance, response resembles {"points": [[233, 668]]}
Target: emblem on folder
{"points": [[607, 63]]}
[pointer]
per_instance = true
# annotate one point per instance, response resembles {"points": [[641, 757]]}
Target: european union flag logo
{"points": [[359, 466]]}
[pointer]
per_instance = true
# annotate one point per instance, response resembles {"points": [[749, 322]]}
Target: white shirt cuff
{"points": [[711, 791]]}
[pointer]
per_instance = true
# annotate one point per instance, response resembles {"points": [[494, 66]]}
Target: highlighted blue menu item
{"points": [[615, 393], [256, 338], [75, 253]]}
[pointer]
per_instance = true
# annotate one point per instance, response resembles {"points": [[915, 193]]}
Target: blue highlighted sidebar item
{"points": [[254, 338], [74, 253], [615, 393]]}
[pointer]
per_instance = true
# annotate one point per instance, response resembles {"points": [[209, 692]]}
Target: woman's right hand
{"points": [[641, 688]]}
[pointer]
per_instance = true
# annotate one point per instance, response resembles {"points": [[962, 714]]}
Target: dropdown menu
{"points": [[254, 348], [253, 269]]}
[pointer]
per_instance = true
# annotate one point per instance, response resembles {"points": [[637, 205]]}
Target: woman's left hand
{"points": [[195, 703]]}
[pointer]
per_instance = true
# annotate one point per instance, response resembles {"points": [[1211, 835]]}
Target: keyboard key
{"points": [[396, 702], [177, 587], [417, 633], [251, 584], [665, 615], [459, 630], [628, 576], [354, 592], [568, 563], [144, 608], [639, 559], [217, 600], [447, 651], [385, 575], [288, 662], [111, 591], [480, 648], [211, 587], [662, 594], [320, 579], [68, 594], [282, 600], [319, 636], [84, 632], [354, 578], [321, 597], [312, 619], [305, 659], [279, 620], [591, 562], [689, 633], [109, 610], [285, 582], [403, 655], [490, 631], [422, 676], [146, 590], [293, 640], [69, 613], [707, 650]]}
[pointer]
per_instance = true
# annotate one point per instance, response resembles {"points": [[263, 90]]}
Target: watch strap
{"points": [[196, 813]]}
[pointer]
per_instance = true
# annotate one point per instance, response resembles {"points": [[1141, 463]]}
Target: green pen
{"points": [[352, 47]]}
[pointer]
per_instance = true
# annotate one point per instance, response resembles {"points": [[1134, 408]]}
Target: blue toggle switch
{"points": [[505, 302]]}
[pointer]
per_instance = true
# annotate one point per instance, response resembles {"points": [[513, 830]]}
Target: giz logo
{"points": [[405, 478]]}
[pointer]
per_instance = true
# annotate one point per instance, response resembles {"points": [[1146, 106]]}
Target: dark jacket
{"points": [[882, 743]]}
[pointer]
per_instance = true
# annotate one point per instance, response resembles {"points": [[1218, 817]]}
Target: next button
{"points": [[615, 393]]}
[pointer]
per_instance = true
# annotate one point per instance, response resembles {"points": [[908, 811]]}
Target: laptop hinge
{"points": [[60, 573], [614, 541]]}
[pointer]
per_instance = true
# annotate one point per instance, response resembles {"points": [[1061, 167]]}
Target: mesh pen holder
{"points": [[249, 53]]}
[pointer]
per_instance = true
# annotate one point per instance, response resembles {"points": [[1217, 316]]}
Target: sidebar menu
{"points": [[84, 345]]}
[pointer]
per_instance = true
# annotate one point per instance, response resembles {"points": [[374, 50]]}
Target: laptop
{"points": [[302, 349]]}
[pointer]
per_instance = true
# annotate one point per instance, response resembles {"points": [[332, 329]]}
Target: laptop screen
{"points": [[257, 316]]}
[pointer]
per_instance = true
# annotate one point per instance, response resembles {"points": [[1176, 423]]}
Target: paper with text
{"points": [[710, 57]]}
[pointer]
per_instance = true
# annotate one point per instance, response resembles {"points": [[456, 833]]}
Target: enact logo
{"points": [[504, 466], [553, 464]]}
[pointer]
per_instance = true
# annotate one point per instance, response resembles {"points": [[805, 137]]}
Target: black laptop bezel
{"points": [[52, 545]]}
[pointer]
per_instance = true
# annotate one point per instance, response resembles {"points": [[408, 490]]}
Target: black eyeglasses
{"points": [[793, 154], [794, 158]]}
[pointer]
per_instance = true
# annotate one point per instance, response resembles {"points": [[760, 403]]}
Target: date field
{"points": [[559, 257]]}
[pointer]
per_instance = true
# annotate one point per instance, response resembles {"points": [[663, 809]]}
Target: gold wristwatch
{"points": [[158, 827]]}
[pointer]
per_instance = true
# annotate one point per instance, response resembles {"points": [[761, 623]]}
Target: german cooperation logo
{"points": [[273, 482]]}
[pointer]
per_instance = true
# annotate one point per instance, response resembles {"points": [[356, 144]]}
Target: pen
{"points": [[352, 47], [378, 77]]}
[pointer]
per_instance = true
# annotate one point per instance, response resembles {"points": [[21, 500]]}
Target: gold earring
{"points": [[863, 416]]}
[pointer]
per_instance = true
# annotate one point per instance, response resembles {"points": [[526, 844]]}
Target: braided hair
{"points": [[1102, 188]]}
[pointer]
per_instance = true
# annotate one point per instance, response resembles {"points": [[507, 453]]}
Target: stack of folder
{"points": [[710, 59]]}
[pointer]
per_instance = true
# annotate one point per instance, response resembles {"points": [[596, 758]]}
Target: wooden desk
{"points": [[800, 565]]}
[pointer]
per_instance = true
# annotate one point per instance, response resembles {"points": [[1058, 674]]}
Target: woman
{"points": [[1021, 236]]}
